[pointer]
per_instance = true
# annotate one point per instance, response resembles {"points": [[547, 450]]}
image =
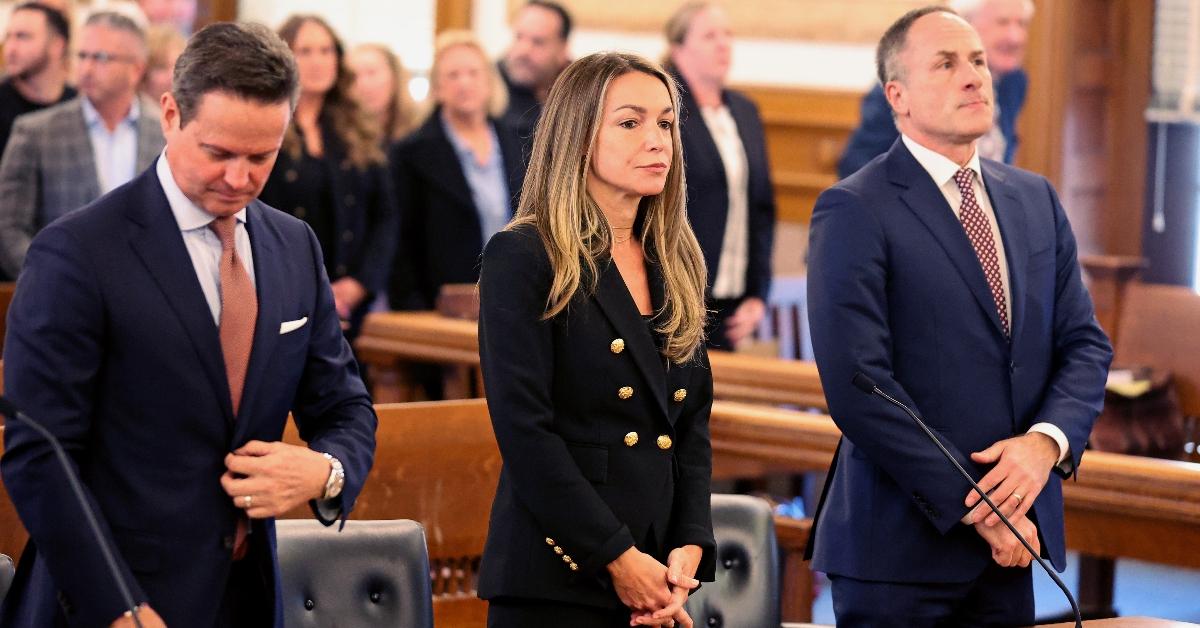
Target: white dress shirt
{"points": [[942, 170], [730, 279], [203, 245], [115, 152]]}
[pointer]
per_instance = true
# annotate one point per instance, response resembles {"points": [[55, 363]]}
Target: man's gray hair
{"points": [[245, 60], [887, 66], [118, 21]]}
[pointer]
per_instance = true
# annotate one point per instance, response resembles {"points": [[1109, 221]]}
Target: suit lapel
{"points": [[82, 157], [440, 162], [618, 306], [1011, 217], [926, 201], [158, 243], [267, 248]]}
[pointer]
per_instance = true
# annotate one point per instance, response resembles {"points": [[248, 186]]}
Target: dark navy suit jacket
{"points": [[877, 130], [112, 346], [708, 190], [896, 292]]}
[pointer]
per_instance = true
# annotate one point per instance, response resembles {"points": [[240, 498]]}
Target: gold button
{"points": [[347, 235], [680, 395], [631, 439], [625, 392], [574, 567], [617, 345], [550, 541], [558, 550], [567, 559], [664, 442], [291, 176], [299, 212]]}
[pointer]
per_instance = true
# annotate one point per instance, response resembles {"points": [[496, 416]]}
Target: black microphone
{"points": [[8, 409], [867, 385]]}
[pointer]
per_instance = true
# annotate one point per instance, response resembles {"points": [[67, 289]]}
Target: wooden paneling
{"points": [[806, 131], [1083, 124], [452, 14]]}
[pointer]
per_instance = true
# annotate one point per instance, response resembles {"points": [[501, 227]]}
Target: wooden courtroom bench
{"points": [[391, 339]]}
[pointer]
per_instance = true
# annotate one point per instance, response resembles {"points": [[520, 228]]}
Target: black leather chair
{"points": [[746, 591], [372, 573], [7, 570]]}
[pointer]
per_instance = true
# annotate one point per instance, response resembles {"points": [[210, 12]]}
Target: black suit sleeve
{"points": [[516, 349], [409, 282], [382, 222], [692, 524], [761, 205]]}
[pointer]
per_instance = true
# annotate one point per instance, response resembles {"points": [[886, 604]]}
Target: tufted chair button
{"points": [[715, 621], [309, 605], [730, 563], [375, 597]]}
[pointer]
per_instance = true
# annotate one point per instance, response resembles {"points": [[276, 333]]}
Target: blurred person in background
{"points": [[381, 87], [332, 174], [457, 176], [164, 44], [178, 14], [541, 30], [731, 201], [36, 42]]}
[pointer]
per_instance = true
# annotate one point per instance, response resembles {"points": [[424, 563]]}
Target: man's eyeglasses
{"points": [[102, 58]]}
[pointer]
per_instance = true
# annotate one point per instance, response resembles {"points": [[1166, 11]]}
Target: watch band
{"points": [[337, 478]]}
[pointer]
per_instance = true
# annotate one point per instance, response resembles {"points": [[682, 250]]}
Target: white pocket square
{"points": [[289, 326]]}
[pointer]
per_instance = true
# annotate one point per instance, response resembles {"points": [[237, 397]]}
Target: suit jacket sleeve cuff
{"points": [[328, 511], [608, 552]]}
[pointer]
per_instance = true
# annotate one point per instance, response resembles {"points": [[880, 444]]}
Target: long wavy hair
{"points": [[350, 123], [400, 117], [572, 226]]}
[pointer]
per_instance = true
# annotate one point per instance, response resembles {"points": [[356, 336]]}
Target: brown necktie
{"points": [[239, 309], [979, 231]]}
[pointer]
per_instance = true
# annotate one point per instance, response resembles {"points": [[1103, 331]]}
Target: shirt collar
{"points": [[92, 117], [938, 165], [188, 215], [460, 145]]}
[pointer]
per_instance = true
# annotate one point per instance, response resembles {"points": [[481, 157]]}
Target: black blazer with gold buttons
{"points": [[605, 446]]}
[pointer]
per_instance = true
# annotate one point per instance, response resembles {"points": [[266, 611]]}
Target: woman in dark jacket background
{"points": [[457, 176], [731, 201], [332, 172]]}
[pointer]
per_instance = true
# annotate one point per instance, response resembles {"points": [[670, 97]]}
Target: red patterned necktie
{"points": [[239, 309], [979, 231]]}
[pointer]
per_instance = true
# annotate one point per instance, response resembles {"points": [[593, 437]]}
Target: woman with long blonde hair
{"points": [[381, 87], [592, 346]]}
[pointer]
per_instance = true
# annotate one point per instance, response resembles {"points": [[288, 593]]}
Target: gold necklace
{"points": [[627, 238]]}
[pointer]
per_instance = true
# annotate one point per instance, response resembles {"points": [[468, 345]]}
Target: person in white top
{"points": [[731, 201]]}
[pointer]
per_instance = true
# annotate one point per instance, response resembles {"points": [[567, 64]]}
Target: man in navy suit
{"points": [[164, 333], [952, 282], [1004, 27]]}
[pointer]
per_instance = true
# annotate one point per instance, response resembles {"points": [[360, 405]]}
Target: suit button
{"points": [[227, 541], [1012, 366], [567, 559], [664, 442], [347, 235], [291, 175], [631, 439], [300, 212], [558, 550], [617, 345], [625, 392], [574, 567], [309, 605], [550, 541], [680, 395], [349, 200]]}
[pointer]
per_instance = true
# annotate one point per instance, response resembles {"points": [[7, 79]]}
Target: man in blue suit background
{"points": [[951, 281], [164, 333], [1004, 27]]}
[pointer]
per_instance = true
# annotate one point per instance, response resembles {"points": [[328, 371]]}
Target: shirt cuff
{"points": [[1051, 430]]}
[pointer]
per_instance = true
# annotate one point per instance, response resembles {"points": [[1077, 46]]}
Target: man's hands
{"points": [[275, 476], [745, 318], [1023, 465], [1007, 550], [655, 593], [146, 615]]}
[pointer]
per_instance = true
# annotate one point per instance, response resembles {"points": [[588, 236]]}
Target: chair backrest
{"points": [[746, 591], [1160, 327], [7, 571], [436, 463], [372, 573]]}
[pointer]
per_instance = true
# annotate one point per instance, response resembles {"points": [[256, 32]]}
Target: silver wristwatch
{"points": [[337, 478]]}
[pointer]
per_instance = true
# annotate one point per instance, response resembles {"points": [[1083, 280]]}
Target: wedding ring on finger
{"points": [[246, 501], [1018, 498]]}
